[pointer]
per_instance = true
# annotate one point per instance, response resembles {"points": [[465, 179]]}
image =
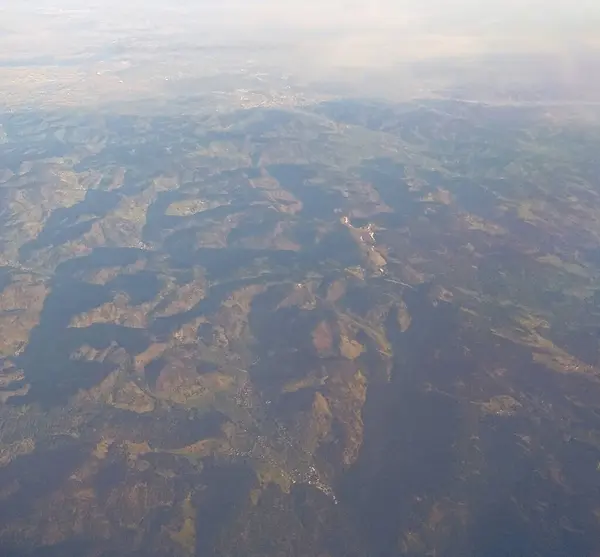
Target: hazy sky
{"points": [[311, 38], [336, 14], [347, 29]]}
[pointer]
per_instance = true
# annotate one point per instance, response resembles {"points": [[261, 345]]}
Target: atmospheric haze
{"points": [[337, 39]]}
